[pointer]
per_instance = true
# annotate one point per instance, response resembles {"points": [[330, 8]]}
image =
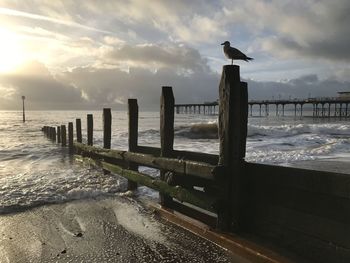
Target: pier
{"points": [[321, 107], [304, 211]]}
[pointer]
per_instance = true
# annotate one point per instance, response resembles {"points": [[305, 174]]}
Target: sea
{"points": [[36, 171]]}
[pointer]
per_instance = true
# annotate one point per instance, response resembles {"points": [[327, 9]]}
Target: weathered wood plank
{"points": [[148, 150], [196, 198], [200, 170], [314, 181], [321, 205], [306, 245], [179, 154], [196, 156], [319, 227]]}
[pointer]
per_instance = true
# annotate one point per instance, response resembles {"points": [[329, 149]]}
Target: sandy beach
{"points": [[114, 229]]}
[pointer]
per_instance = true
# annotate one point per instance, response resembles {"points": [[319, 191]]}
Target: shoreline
{"points": [[114, 229]]}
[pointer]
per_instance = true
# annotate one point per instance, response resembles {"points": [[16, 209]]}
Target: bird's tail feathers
{"points": [[248, 59]]}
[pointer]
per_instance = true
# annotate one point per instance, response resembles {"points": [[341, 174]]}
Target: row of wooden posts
{"points": [[59, 133], [180, 171], [306, 211]]}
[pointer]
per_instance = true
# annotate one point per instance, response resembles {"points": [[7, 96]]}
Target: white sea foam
{"points": [[34, 170], [131, 219]]}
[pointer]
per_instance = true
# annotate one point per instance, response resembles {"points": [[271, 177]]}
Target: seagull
{"points": [[233, 53]]}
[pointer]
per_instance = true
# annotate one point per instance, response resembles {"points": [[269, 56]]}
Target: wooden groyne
{"points": [[306, 211], [321, 107]]}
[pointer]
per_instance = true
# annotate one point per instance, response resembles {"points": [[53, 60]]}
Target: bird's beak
{"points": [[222, 44]]}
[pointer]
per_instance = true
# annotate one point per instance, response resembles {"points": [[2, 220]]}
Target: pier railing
{"points": [[307, 211]]}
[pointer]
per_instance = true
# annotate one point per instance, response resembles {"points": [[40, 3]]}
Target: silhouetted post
{"points": [[53, 134], [107, 128], [167, 102], [233, 117], [58, 134], [70, 136], [63, 135], [133, 114], [78, 129], [24, 114], [90, 129]]}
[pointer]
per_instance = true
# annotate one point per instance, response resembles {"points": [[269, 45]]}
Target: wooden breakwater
{"points": [[306, 211]]}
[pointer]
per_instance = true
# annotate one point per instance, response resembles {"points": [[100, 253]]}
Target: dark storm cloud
{"points": [[113, 87], [42, 90], [302, 87], [174, 56], [316, 29]]}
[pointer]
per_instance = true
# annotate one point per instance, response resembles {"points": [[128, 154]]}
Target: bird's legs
{"points": [[231, 61]]}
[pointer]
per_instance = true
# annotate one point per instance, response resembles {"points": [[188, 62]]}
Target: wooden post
{"points": [[233, 117], [90, 129], [133, 114], [78, 129], [54, 134], [167, 102], [58, 134], [70, 136], [63, 135], [107, 128]]}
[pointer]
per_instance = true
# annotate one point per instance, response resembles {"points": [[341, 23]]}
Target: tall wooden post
{"points": [[233, 118], [58, 134], [167, 102], [70, 137], [63, 135], [90, 129], [107, 128], [133, 114], [78, 130]]}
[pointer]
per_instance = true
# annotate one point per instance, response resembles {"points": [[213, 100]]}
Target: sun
{"points": [[11, 54]]}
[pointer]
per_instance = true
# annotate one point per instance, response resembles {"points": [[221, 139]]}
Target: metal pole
{"points": [[24, 115]]}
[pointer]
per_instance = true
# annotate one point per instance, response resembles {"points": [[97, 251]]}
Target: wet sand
{"points": [[114, 229]]}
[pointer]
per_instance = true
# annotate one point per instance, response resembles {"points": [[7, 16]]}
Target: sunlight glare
{"points": [[11, 54]]}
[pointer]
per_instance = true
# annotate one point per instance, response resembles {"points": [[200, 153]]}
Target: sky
{"points": [[92, 54]]}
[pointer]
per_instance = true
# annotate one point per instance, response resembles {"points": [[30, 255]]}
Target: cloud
{"points": [[310, 29], [112, 87], [41, 89], [17, 13], [302, 87], [159, 55]]}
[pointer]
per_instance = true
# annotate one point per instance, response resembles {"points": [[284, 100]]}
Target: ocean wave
{"points": [[198, 131], [293, 130]]}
